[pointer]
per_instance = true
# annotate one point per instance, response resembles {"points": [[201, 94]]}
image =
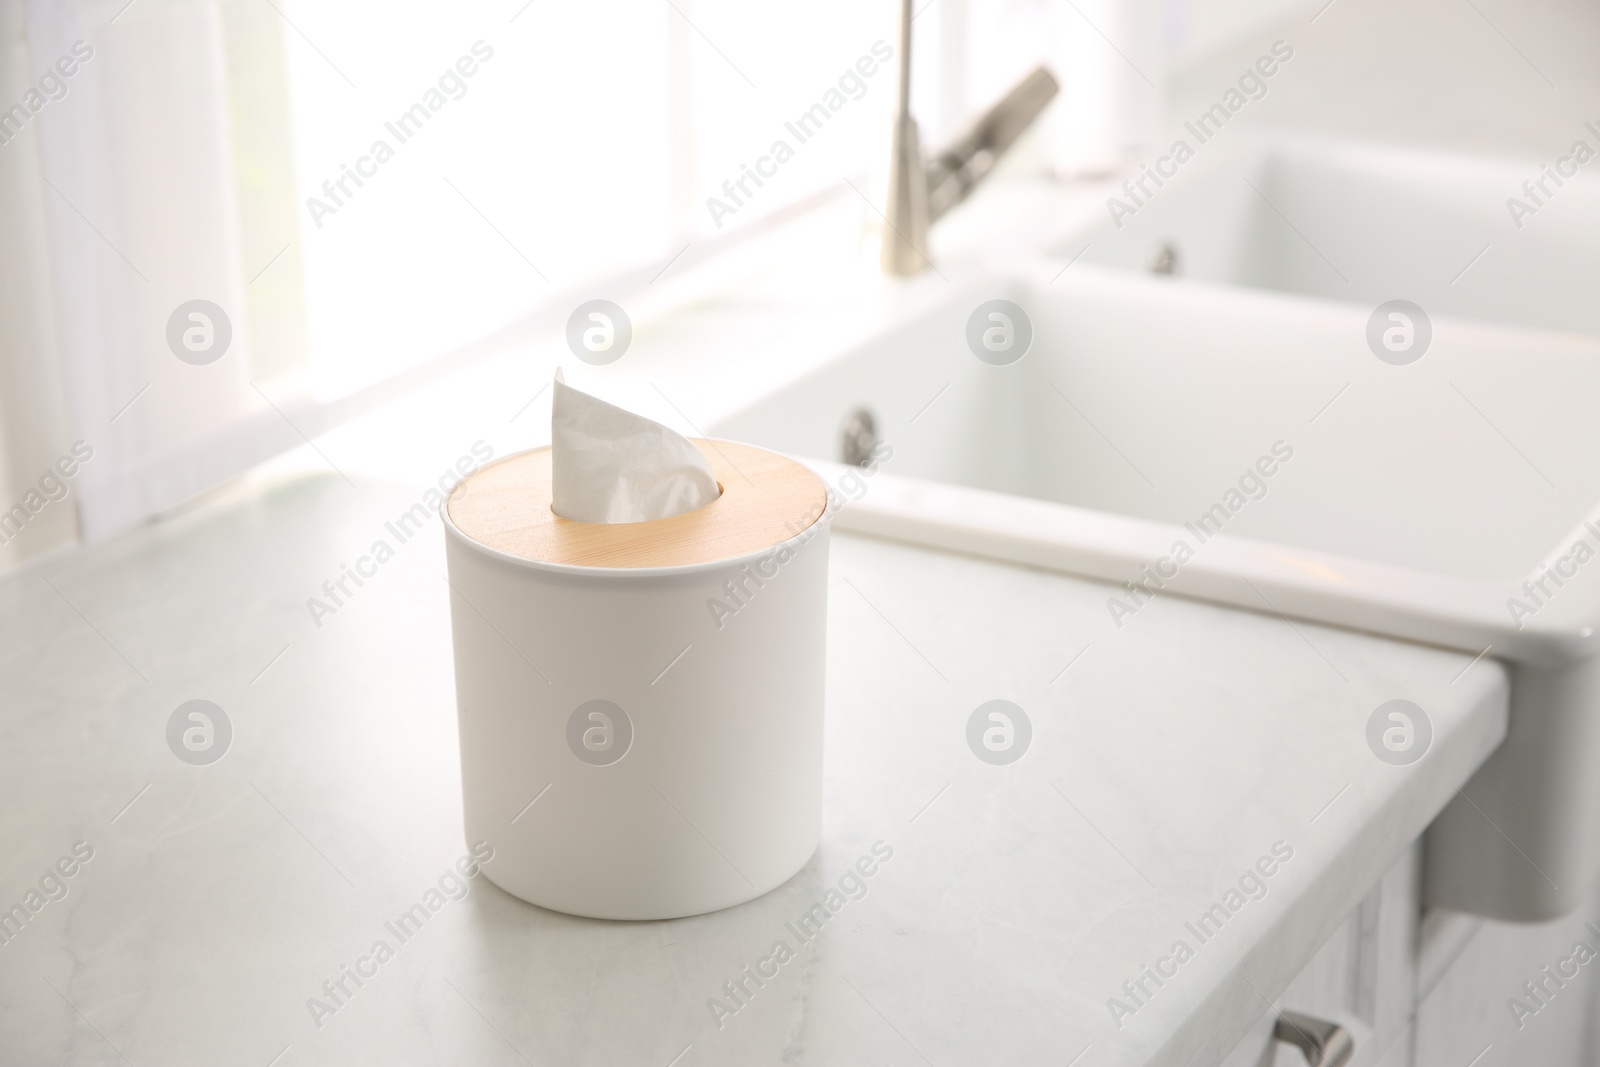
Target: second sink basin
{"points": [[1365, 224]]}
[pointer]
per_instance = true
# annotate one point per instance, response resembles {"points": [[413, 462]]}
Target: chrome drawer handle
{"points": [[1326, 1044]]}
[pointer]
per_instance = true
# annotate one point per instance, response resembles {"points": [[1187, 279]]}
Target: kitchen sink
{"points": [[1368, 225], [1245, 443]]}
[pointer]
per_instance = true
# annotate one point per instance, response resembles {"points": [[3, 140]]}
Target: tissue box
{"points": [[640, 704]]}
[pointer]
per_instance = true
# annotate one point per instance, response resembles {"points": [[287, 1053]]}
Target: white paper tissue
{"points": [[610, 465]]}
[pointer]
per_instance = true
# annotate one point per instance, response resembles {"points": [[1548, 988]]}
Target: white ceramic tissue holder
{"points": [[641, 703]]}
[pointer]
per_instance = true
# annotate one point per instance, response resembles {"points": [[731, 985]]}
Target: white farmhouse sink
{"points": [[1408, 500], [1368, 225]]}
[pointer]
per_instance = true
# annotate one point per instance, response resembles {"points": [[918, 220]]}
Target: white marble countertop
{"points": [[1167, 759]]}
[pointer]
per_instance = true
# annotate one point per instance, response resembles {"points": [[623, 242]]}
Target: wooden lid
{"points": [[766, 499]]}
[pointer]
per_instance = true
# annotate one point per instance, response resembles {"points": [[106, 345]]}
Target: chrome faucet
{"points": [[920, 192]]}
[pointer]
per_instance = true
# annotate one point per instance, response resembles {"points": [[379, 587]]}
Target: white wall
{"points": [[1199, 28]]}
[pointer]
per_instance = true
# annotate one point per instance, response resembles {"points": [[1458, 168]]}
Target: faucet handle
{"points": [[920, 193], [955, 171]]}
